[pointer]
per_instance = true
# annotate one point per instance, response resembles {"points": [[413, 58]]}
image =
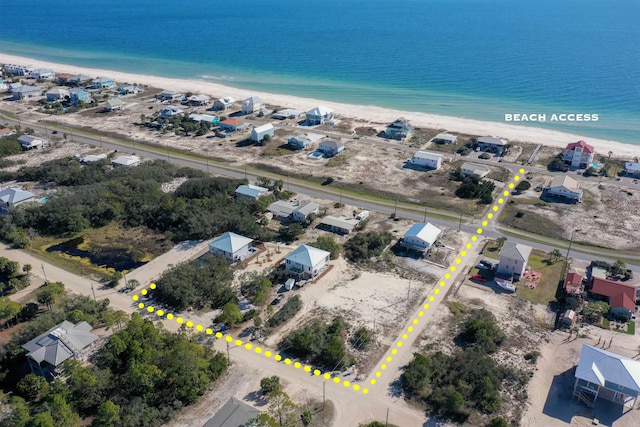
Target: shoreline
{"points": [[510, 132]]}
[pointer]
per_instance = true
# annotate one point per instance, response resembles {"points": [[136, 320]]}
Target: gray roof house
{"points": [[299, 142], [62, 342], [340, 225], [253, 192], [25, 92], [114, 104], [58, 93], [513, 259], [234, 413], [605, 375], [306, 262], [492, 143], [79, 79], [566, 187], [399, 130], [30, 142], [13, 196], [232, 246], [331, 148], [126, 161], [296, 210]]}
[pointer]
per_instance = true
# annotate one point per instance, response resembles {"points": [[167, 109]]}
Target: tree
{"points": [[555, 255], [306, 417], [9, 309], [281, 408], [50, 293], [498, 422], [501, 241], [619, 267], [27, 269], [557, 164], [593, 311], [132, 284], [43, 419], [290, 233], [231, 314], [33, 386], [523, 186], [270, 385], [108, 415], [328, 244]]}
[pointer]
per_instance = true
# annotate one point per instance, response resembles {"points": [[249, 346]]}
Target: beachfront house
{"points": [[621, 296], [421, 237], [23, 92], [126, 161], [18, 70], [232, 125], [260, 132], [632, 168], [78, 95], [43, 74], [299, 142], [79, 80], [399, 130], [287, 113], [513, 259], [601, 374], [251, 192], [63, 78], [13, 196], [170, 95], [252, 105], [170, 111], [232, 246], [58, 94], [114, 104], [198, 100], [223, 104], [492, 144], [565, 187], [306, 262], [427, 159], [330, 147], [48, 351], [474, 171], [578, 155], [339, 225], [444, 138], [30, 142], [318, 115], [103, 83]]}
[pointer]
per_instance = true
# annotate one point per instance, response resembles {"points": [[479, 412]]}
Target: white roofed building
{"points": [[318, 115], [427, 159], [223, 104], [252, 105], [632, 168], [513, 259], [474, 171], [251, 192], [566, 187], [260, 132], [30, 142], [605, 375], [126, 161], [421, 237], [13, 196], [444, 138], [306, 262], [492, 143], [232, 246]]}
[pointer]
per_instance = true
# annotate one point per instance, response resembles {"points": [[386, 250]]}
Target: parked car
{"points": [[277, 300], [478, 278], [487, 264]]}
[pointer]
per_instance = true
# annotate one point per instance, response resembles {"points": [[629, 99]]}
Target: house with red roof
{"points": [[232, 125], [573, 284], [578, 155], [621, 296]]}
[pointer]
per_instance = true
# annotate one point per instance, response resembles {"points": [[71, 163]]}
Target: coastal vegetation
{"points": [[93, 197], [434, 378], [366, 245]]}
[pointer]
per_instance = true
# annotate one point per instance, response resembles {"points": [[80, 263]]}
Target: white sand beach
{"points": [[512, 133]]}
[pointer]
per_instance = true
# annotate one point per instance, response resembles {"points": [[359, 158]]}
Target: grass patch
{"points": [[545, 290], [339, 160], [492, 247], [605, 323], [631, 327], [501, 174], [513, 216]]}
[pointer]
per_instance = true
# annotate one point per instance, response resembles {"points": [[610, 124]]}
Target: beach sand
{"points": [[512, 133]]}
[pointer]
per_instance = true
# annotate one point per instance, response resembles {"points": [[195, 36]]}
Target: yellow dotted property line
{"points": [[447, 276], [246, 345]]}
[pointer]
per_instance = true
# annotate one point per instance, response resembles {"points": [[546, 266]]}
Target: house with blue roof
{"points": [[604, 375], [103, 83], [251, 192], [306, 262], [232, 246]]}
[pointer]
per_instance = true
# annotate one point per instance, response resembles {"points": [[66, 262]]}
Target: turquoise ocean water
{"points": [[476, 59]]}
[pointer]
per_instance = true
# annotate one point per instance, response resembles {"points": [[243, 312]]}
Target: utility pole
{"points": [[94, 292], [425, 213], [245, 170], [386, 423], [395, 209], [324, 383], [409, 290], [207, 164], [45, 273], [460, 222], [228, 356]]}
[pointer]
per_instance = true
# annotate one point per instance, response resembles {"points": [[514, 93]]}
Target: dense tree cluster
{"points": [[320, 344], [469, 379], [327, 243], [9, 145], [141, 377], [366, 245], [477, 190], [256, 288], [199, 283]]}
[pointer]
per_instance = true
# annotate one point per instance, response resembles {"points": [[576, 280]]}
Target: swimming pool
{"points": [[316, 155], [44, 200]]}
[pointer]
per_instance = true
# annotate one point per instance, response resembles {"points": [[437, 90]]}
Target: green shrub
{"points": [[287, 312], [366, 245]]}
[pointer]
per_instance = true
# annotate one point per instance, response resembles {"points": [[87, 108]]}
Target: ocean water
{"points": [[477, 59]]}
